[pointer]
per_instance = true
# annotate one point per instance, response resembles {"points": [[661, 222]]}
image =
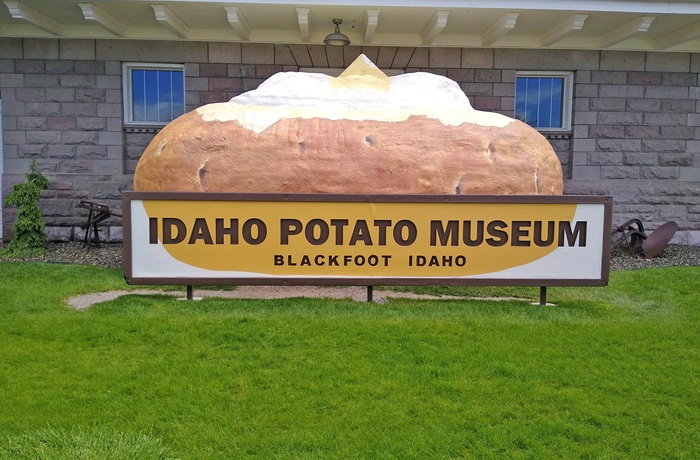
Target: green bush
{"points": [[29, 239]]}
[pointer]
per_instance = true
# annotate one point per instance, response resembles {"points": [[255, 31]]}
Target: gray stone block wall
{"points": [[640, 138], [635, 132], [60, 109]]}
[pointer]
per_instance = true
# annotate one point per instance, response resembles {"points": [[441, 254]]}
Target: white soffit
{"points": [[303, 19], [498, 29], [170, 20], [238, 22], [371, 22], [595, 24], [92, 13], [24, 13]]}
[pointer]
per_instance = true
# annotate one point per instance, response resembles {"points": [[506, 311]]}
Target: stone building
{"points": [[614, 85]]}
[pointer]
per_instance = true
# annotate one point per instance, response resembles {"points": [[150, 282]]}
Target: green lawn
{"points": [[608, 373]]}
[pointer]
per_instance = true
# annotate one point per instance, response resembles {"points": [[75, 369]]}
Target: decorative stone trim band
{"points": [[142, 130], [553, 136]]}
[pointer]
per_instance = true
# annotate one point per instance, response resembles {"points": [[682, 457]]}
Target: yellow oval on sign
{"points": [[360, 239]]}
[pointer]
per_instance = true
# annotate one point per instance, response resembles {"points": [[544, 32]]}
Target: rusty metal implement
{"points": [[98, 213], [658, 240], [631, 235]]}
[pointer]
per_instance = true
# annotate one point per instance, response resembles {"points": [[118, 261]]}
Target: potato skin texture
{"points": [[316, 155]]}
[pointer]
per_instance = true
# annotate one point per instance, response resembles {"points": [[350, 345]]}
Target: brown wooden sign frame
{"points": [[128, 197]]}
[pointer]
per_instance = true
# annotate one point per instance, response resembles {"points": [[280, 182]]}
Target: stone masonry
{"points": [[635, 131]]}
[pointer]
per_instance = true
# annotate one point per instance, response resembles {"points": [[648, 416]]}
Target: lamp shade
{"points": [[337, 38]]}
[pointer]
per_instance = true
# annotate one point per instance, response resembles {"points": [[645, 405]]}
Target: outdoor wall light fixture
{"points": [[337, 38]]}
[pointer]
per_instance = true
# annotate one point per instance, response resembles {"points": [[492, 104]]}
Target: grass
{"points": [[95, 443], [609, 373]]}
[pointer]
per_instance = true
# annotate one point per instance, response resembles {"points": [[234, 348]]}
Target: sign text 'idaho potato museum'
{"points": [[193, 238]]}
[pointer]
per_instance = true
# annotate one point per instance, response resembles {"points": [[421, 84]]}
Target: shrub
{"points": [[29, 239]]}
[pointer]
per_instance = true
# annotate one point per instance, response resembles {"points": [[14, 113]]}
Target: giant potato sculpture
{"points": [[360, 133]]}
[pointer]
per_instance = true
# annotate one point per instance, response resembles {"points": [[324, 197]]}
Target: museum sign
{"points": [[212, 238]]}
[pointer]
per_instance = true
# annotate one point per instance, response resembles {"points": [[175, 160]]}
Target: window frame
{"points": [[567, 96], [127, 68]]}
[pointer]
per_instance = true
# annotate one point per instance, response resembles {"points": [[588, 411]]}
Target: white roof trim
{"points": [[502, 26], [165, 16], [679, 37], [620, 6], [567, 27], [303, 18], [371, 22], [107, 22], [626, 31], [23, 12], [434, 27]]}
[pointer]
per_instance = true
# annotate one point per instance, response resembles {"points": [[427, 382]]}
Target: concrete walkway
{"points": [[356, 293]]}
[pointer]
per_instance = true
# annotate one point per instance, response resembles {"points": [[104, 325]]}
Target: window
{"points": [[154, 94], [543, 100]]}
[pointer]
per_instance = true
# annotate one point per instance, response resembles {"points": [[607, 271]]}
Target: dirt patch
{"points": [[356, 293]]}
